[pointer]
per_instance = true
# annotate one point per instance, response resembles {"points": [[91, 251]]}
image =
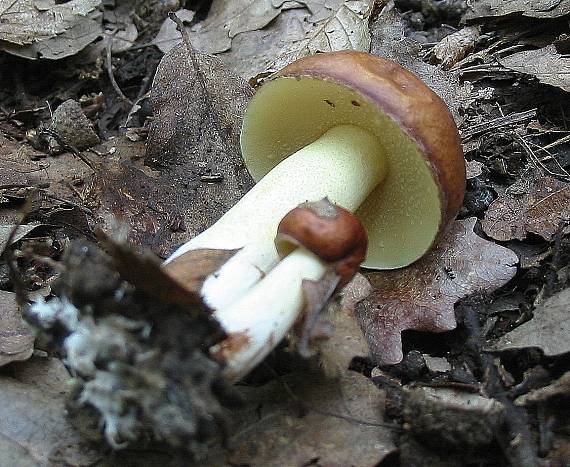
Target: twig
{"points": [[64, 144], [71, 203], [499, 122], [537, 162], [109, 65], [516, 440], [558, 142], [191, 52]]}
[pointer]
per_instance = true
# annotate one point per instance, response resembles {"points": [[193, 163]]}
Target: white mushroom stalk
{"points": [[342, 165]]}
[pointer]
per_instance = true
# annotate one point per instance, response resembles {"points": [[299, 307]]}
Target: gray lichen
{"points": [[141, 367]]}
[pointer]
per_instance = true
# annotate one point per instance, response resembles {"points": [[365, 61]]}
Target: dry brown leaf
{"points": [[346, 29], [47, 374], [342, 424], [531, 8], [179, 283], [455, 47], [193, 141], [16, 168], [193, 147], [16, 338], [541, 209], [47, 28], [21, 232], [228, 19], [546, 64], [421, 297], [34, 430], [548, 330], [124, 190], [347, 340], [249, 43]]}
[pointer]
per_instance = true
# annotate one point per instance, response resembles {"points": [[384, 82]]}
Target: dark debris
{"points": [[140, 365]]}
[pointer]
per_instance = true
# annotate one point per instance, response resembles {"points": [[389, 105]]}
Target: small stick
{"points": [[109, 66]]}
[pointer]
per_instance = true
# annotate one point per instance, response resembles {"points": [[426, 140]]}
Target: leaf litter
{"points": [[133, 178]]}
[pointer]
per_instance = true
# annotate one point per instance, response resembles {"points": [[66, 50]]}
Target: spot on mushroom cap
{"points": [[426, 175]]}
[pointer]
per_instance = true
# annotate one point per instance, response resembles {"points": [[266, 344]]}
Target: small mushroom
{"points": [[353, 127], [331, 232], [311, 239]]}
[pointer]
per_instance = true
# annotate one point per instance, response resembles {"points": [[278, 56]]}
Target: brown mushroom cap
{"points": [[424, 187], [330, 232]]}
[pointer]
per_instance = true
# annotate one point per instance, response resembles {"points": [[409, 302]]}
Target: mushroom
{"points": [[312, 238], [358, 129]]}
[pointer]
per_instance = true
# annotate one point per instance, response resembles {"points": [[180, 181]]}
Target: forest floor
{"points": [[119, 134]]}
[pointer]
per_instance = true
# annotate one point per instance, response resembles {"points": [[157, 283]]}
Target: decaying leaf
{"points": [[421, 296], [533, 8], [16, 338], [193, 171], [178, 283], [21, 232], [193, 142], [120, 24], [228, 19], [47, 28], [452, 417], [313, 327], [546, 64], [34, 430], [346, 29], [548, 330], [347, 340], [125, 190], [453, 48], [541, 208], [342, 424], [48, 374], [248, 35], [17, 170]]}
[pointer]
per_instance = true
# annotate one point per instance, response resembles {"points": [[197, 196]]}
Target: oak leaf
{"points": [[539, 208], [421, 297]]}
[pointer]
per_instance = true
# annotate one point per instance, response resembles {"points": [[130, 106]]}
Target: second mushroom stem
{"points": [[341, 165], [262, 318]]}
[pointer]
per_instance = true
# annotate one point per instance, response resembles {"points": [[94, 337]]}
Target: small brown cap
{"points": [[330, 232]]}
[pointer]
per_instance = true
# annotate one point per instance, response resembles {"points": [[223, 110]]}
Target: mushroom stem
{"points": [[341, 165], [266, 313]]}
